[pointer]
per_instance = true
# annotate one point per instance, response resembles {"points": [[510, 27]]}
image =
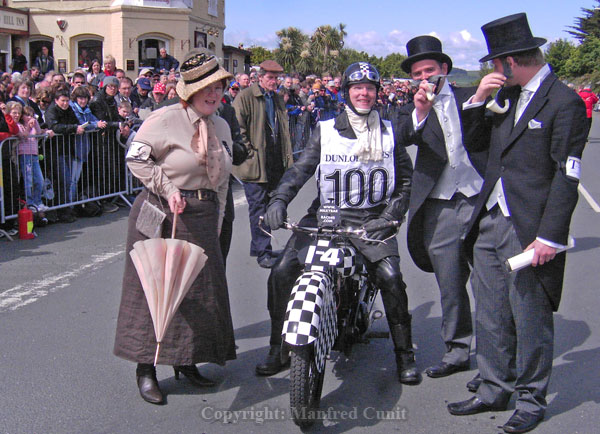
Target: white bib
{"points": [[349, 182]]}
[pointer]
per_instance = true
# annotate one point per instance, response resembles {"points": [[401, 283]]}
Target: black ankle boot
{"points": [[405, 357], [272, 364], [148, 384], [192, 374]]}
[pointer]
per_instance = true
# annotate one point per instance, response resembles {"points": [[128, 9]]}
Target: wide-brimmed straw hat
{"points": [[197, 72]]}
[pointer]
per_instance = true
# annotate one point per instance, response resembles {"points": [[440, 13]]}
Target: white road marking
{"points": [[588, 197], [24, 294]]}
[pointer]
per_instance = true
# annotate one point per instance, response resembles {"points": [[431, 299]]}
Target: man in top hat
{"points": [[264, 125], [446, 182], [526, 202]]}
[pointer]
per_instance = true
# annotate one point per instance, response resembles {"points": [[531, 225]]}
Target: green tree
{"points": [[349, 56], [557, 54], [484, 69], [259, 54], [584, 59], [389, 66], [588, 25]]}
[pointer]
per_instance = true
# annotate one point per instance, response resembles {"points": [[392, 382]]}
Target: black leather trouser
{"points": [[284, 273]]}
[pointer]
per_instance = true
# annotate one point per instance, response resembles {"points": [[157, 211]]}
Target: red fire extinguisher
{"points": [[25, 223]]}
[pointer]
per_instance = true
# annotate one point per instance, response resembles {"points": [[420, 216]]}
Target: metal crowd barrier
{"points": [[76, 169]]}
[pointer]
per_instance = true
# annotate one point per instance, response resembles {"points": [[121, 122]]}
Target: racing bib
{"points": [[349, 182]]}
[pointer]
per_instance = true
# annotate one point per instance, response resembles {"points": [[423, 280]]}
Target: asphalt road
{"points": [[59, 296]]}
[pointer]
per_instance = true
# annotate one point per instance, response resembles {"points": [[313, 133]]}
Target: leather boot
{"points": [[191, 373], [148, 384], [405, 357], [272, 364]]}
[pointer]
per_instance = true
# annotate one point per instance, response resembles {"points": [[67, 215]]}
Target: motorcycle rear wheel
{"points": [[306, 385]]}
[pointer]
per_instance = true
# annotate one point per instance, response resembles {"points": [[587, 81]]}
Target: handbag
{"points": [[150, 219]]}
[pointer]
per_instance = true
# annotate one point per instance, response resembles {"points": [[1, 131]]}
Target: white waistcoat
{"points": [[350, 183]]}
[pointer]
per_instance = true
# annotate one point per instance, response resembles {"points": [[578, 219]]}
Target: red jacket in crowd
{"points": [[589, 98]]}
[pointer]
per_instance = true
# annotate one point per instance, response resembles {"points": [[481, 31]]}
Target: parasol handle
{"points": [[157, 351], [174, 223]]}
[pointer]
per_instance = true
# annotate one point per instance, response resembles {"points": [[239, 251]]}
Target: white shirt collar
{"points": [[534, 84], [446, 90]]}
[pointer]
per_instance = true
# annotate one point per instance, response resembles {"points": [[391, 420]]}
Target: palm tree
{"points": [[291, 41], [326, 43], [343, 33]]}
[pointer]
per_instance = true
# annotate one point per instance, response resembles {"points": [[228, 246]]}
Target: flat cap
{"points": [[271, 66]]}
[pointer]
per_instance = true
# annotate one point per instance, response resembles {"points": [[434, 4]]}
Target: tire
{"points": [[306, 385]]}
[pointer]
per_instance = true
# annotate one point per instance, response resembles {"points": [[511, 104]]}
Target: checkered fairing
{"points": [[311, 315]]}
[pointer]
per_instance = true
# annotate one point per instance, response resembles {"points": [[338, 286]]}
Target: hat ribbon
{"points": [[203, 76]]}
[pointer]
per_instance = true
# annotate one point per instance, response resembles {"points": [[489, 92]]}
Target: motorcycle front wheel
{"points": [[306, 385]]}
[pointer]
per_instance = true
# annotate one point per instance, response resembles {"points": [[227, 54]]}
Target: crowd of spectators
{"points": [[45, 109], [99, 97], [313, 98]]}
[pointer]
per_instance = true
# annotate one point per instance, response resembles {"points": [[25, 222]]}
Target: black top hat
{"points": [[424, 47], [509, 35]]}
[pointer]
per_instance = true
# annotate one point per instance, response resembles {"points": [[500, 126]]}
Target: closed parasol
{"points": [[166, 268]]}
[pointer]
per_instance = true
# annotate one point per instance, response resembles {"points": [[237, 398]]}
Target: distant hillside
{"points": [[463, 77]]}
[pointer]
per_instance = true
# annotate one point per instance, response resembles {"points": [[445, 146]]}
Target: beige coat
{"points": [[250, 110]]}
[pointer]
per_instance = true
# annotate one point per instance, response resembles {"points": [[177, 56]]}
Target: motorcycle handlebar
{"points": [[348, 231]]}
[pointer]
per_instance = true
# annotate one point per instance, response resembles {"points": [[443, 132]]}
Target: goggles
{"points": [[360, 74]]}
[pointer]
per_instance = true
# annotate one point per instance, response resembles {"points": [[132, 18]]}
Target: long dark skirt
{"points": [[201, 330]]}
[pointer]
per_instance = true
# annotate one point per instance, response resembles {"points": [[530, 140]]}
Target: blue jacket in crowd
{"points": [[82, 142]]}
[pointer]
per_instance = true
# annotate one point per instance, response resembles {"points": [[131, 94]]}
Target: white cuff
{"points": [[550, 243], [469, 105], [416, 124]]}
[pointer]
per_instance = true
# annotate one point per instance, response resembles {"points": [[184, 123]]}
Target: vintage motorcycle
{"points": [[331, 307]]}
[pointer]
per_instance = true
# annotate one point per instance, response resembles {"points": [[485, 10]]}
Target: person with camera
{"points": [[367, 173]]}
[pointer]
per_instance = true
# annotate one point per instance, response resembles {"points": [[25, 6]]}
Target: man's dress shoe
{"points": [[444, 369], [471, 406], [267, 261], [521, 421], [473, 385]]}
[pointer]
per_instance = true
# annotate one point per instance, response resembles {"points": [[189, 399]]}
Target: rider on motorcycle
{"points": [[362, 170]]}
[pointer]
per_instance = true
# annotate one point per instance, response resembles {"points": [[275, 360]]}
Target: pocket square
{"points": [[533, 124]]}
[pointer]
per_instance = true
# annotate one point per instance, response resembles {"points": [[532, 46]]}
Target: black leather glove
{"points": [[240, 153], [276, 214], [379, 234]]}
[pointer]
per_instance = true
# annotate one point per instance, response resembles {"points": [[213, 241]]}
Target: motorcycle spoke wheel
{"points": [[306, 385]]}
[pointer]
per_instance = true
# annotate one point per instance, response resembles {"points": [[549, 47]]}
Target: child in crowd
{"points": [[80, 97], [128, 124], [27, 153], [62, 120]]}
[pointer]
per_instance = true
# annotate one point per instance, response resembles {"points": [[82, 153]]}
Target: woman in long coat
{"points": [[181, 154]]}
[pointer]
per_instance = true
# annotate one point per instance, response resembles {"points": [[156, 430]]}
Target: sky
{"points": [[382, 27]]}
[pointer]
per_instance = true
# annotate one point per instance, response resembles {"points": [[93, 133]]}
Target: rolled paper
{"points": [[524, 259], [495, 107]]}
